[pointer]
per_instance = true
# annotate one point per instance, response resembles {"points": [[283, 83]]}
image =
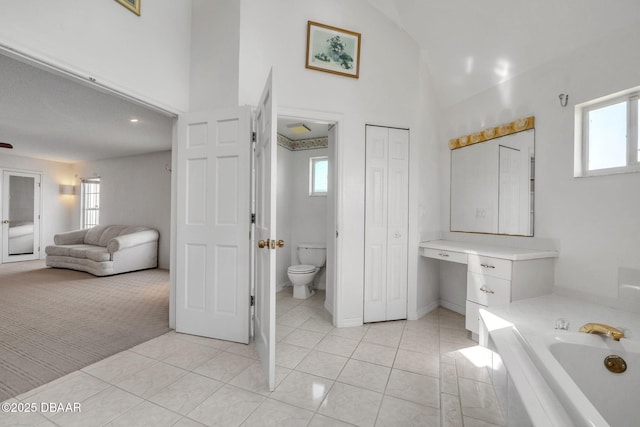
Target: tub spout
{"points": [[599, 328]]}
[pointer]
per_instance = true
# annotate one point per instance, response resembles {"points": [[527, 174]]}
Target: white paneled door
{"points": [[213, 224], [265, 231], [386, 223], [20, 216]]}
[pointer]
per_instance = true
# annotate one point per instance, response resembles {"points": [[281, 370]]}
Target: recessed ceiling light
{"points": [[298, 128], [134, 120]]}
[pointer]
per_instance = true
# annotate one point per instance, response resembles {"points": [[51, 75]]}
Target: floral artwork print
{"points": [[333, 50]]}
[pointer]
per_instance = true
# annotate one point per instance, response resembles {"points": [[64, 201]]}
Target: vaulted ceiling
{"points": [[469, 46]]}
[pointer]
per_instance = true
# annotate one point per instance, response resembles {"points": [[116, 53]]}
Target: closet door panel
{"points": [[397, 225], [376, 194]]}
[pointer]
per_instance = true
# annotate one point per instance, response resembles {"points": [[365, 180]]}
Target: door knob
{"points": [[263, 244], [6, 221], [280, 243]]}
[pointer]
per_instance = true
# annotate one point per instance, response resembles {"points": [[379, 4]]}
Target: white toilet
{"points": [[312, 257]]}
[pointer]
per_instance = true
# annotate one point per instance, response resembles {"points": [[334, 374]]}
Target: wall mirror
{"points": [[492, 180]]}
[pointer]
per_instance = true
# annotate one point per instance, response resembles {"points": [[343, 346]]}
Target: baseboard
{"points": [[453, 307], [328, 308], [415, 315], [348, 323]]}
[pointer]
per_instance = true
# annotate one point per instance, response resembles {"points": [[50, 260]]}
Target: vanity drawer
{"points": [[495, 267], [488, 290], [451, 256]]}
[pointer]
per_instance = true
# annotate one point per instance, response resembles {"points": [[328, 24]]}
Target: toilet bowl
{"points": [[312, 256]]}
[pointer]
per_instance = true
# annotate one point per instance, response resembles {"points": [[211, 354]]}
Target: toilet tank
{"points": [[312, 254]]}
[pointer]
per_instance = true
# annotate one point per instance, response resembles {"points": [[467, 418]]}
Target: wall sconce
{"points": [[68, 189]]}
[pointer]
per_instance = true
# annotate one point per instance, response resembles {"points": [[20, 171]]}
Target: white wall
{"points": [[593, 220], [274, 34], [134, 190], [146, 56], [284, 205], [56, 210], [215, 39]]}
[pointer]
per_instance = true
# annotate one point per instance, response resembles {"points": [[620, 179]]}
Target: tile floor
{"points": [[403, 373]]}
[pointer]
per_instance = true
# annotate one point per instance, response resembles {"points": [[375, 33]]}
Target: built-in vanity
{"points": [[495, 274]]}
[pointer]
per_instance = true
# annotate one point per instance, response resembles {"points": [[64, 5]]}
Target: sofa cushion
{"points": [[95, 253], [93, 234], [60, 250], [101, 234]]}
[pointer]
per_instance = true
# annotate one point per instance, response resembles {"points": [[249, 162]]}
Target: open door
{"points": [[20, 216], [213, 248], [265, 231]]}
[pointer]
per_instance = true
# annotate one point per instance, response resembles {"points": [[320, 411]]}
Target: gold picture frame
{"points": [[132, 5], [333, 50]]}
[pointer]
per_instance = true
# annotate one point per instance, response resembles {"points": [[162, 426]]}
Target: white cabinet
{"points": [[386, 223], [495, 275]]}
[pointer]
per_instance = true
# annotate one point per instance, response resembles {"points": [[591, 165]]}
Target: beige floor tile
{"points": [[161, 347], [187, 393], [146, 414], [472, 422], [119, 366], [304, 338], [302, 390], [224, 366], [15, 417], [416, 388], [282, 331], [322, 364], [451, 411], [419, 363], [479, 401], [273, 413], [354, 332], [191, 355], [375, 353], [385, 334], [188, 422], [397, 412], [151, 380], [351, 404], [229, 406], [209, 342], [448, 379], [323, 421], [289, 356], [99, 409], [419, 344], [337, 345], [245, 350], [316, 324], [365, 375], [253, 379], [71, 388]]}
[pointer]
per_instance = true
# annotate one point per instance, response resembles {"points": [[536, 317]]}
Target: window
{"points": [[609, 141], [90, 202], [318, 176]]}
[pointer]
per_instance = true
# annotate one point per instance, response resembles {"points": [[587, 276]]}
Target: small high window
{"points": [[609, 140], [90, 202], [318, 176]]}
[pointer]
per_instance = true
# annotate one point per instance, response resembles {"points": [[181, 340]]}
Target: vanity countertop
{"points": [[504, 252]]}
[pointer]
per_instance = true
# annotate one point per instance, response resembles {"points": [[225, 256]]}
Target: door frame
{"points": [[40, 176], [336, 119]]}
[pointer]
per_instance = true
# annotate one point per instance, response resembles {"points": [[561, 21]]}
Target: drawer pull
{"points": [[487, 266], [486, 291], [443, 255]]}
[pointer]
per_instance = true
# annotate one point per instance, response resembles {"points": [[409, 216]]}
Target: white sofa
{"points": [[105, 249]]}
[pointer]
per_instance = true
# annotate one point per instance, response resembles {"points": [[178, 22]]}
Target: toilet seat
{"points": [[301, 269]]}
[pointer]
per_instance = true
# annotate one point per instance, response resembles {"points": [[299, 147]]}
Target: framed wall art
{"points": [[333, 50], [132, 5]]}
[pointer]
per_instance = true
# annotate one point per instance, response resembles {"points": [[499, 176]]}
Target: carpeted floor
{"points": [[56, 321]]}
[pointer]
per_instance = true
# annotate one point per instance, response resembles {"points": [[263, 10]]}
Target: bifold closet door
{"points": [[386, 223]]}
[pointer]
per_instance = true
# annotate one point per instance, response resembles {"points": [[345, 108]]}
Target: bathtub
{"points": [[559, 378]]}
